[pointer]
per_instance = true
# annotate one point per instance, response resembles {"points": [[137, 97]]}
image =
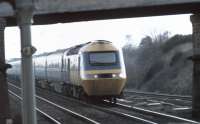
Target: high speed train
{"points": [[94, 69]]}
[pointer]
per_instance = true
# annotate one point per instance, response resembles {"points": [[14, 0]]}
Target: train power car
{"points": [[94, 69]]}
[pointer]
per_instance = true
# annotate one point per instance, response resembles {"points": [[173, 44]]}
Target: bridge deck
{"points": [[61, 11]]}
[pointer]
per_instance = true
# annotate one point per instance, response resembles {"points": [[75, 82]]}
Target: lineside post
{"points": [[4, 99], [195, 19], [25, 14]]}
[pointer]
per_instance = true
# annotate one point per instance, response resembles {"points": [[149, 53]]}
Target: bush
{"points": [[175, 41], [148, 69]]}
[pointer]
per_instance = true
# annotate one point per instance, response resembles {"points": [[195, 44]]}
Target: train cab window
{"points": [[102, 58]]}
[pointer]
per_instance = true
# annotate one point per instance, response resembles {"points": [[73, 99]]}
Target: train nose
{"points": [[103, 86]]}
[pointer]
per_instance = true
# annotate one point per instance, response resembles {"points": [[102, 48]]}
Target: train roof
{"points": [[75, 49], [70, 51], [99, 45]]}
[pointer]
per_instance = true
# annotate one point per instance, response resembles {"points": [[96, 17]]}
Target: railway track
{"points": [[176, 105], [155, 114], [188, 98], [101, 114], [111, 114], [143, 115], [156, 103], [43, 102], [127, 112], [42, 113], [164, 102]]}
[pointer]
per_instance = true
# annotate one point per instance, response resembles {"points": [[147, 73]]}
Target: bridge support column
{"points": [[4, 100], [25, 14], [195, 19]]}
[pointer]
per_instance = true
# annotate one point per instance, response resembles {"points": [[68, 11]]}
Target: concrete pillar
{"points": [[4, 100], [24, 15], [195, 19]]}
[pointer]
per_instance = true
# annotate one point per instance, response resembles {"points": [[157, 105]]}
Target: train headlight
{"points": [[122, 75], [95, 76], [114, 75]]}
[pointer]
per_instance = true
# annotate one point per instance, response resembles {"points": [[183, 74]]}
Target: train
{"points": [[94, 69]]}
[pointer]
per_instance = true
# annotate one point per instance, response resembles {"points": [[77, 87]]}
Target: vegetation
{"points": [[160, 64]]}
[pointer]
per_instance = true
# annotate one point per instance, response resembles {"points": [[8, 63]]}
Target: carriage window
{"points": [[102, 58]]}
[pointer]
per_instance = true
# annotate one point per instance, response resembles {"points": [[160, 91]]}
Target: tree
{"points": [[146, 41]]}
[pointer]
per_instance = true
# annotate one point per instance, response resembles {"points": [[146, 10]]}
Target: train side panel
{"points": [[15, 71], [40, 68], [54, 67], [74, 70]]}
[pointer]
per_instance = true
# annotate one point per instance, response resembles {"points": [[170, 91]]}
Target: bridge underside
{"points": [[75, 16]]}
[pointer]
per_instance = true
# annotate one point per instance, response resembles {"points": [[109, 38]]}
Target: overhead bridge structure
{"points": [[62, 11], [24, 13]]}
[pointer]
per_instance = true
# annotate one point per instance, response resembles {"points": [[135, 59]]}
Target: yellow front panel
{"points": [[112, 71], [103, 86], [98, 47]]}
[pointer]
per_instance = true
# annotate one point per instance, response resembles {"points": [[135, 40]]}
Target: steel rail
{"points": [[106, 110], [62, 108], [145, 111], [111, 111], [40, 111], [73, 113], [14, 86], [135, 109], [160, 94], [124, 115]]}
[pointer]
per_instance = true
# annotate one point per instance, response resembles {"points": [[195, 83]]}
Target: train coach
{"points": [[94, 69]]}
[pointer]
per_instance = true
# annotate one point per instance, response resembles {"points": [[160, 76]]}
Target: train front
{"points": [[102, 69]]}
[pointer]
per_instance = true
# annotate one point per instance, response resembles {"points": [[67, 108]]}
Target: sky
{"points": [[47, 38]]}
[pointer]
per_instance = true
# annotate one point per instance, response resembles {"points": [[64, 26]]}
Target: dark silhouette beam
{"points": [[64, 17]]}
